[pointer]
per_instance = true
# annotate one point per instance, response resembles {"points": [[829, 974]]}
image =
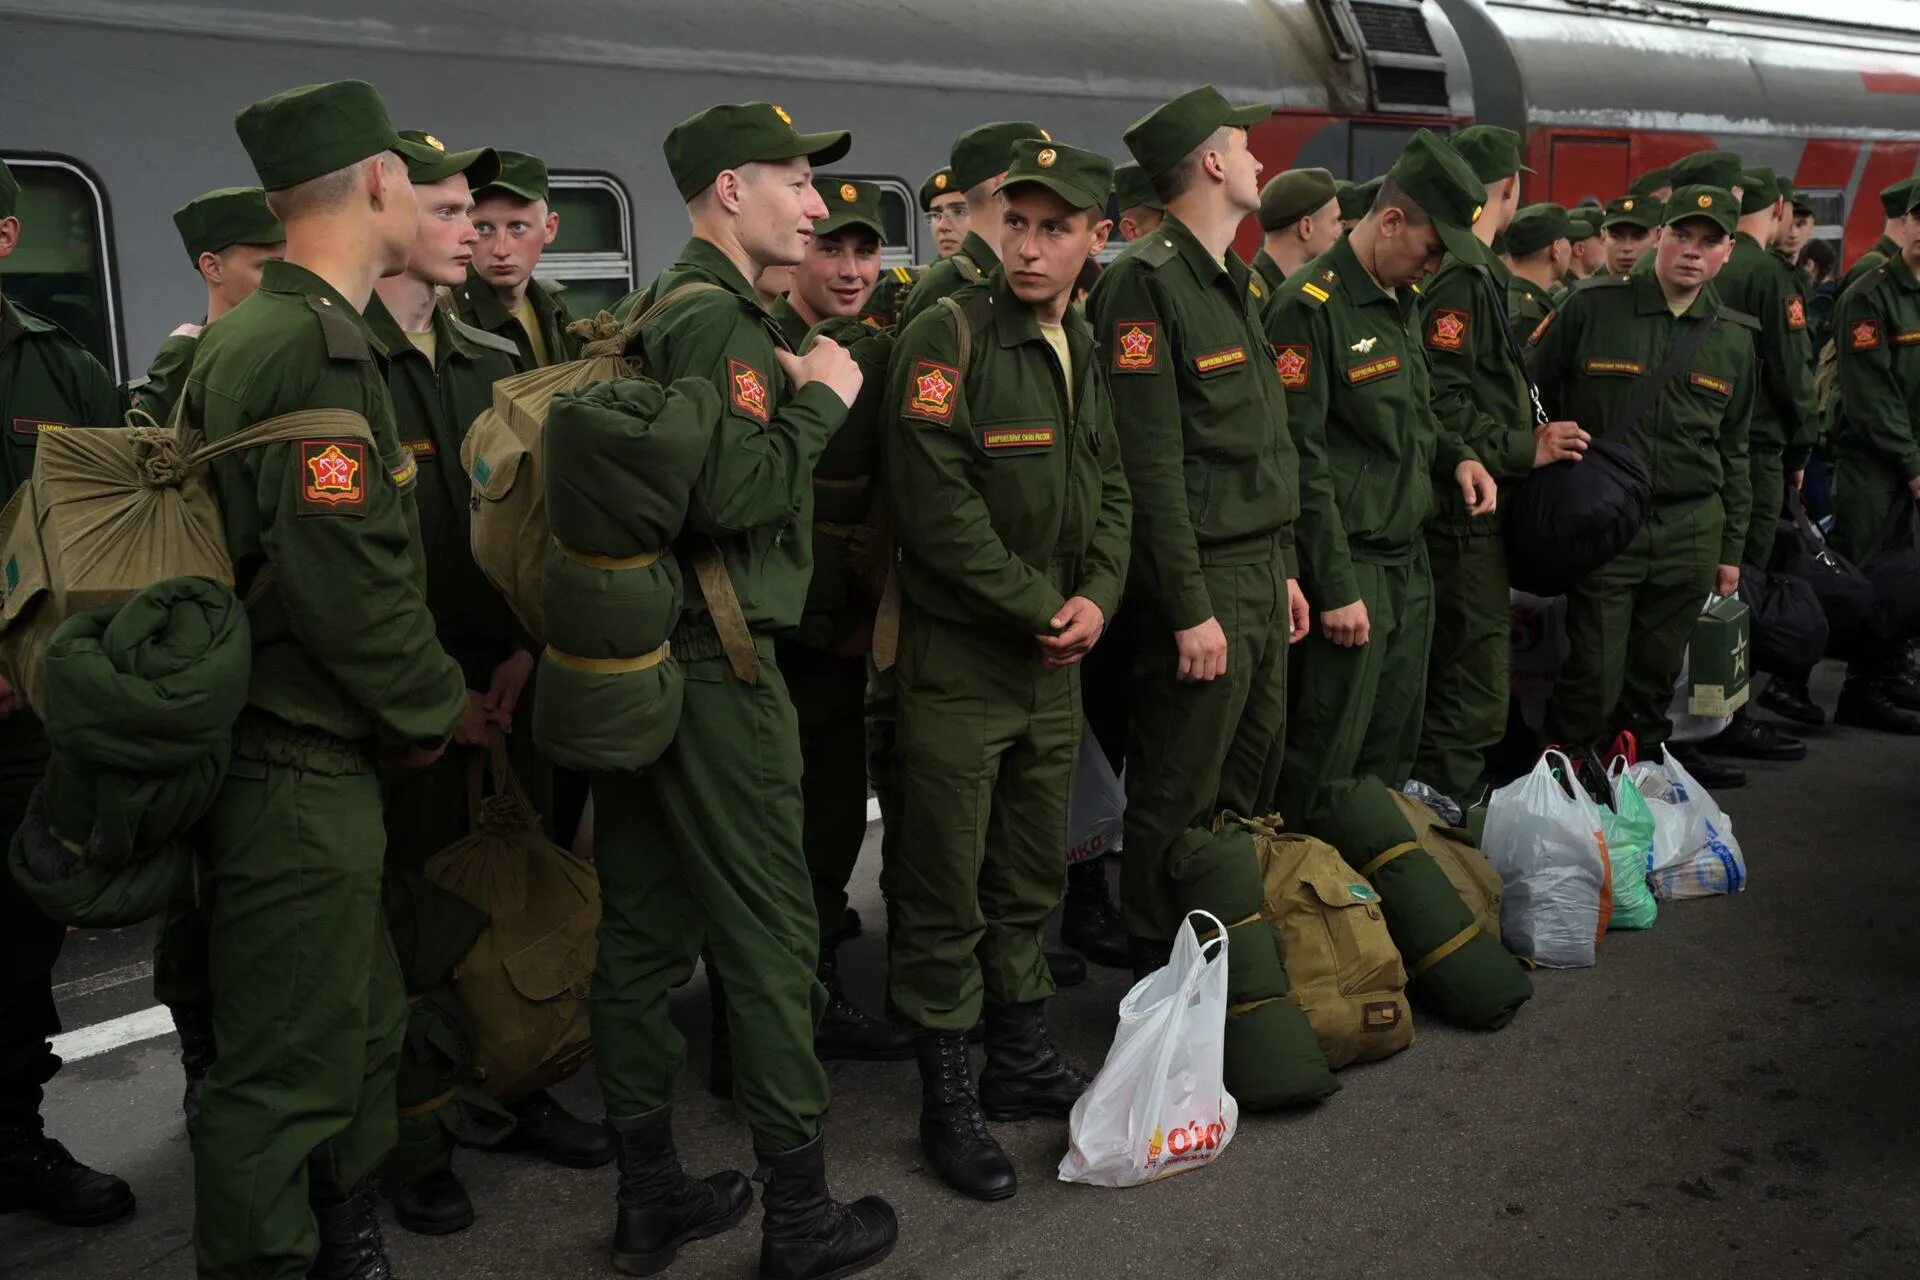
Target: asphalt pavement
{"points": [[1730, 1094]]}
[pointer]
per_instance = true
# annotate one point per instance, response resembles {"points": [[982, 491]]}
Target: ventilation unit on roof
{"points": [[1405, 72]]}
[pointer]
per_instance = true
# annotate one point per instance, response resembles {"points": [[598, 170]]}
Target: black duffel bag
{"points": [[1789, 626], [1566, 520], [1846, 595], [1894, 572]]}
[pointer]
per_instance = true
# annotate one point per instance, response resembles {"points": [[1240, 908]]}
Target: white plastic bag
{"points": [[1688, 727], [1694, 853], [1097, 805], [1545, 840], [1160, 1104]]}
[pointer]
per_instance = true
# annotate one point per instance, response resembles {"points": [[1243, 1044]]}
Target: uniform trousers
{"points": [[829, 701], [1468, 676]]}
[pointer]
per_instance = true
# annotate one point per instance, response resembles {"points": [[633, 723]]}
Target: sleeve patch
{"points": [[333, 477], [1717, 385], [1293, 361], [1796, 312], [1863, 335], [1541, 328], [1136, 346], [1448, 332], [930, 391], [747, 389]]}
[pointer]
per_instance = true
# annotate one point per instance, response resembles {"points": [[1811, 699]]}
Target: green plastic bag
{"points": [[1628, 827]]}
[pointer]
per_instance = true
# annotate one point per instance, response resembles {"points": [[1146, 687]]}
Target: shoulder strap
{"points": [[643, 314], [969, 317], [1513, 339], [305, 424], [1650, 385], [968, 268]]}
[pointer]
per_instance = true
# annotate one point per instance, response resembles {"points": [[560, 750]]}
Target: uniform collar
{"points": [[447, 338], [1015, 323], [280, 276], [1900, 273], [1205, 266], [793, 327], [1743, 240], [1649, 299], [705, 257], [16, 320], [1269, 271], [1359, 285], [980, 253]]}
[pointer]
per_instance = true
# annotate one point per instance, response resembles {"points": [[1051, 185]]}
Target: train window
{"points": [[900, 215], [1829, 206], [59, 269], [593, 253], [1372, 148]]}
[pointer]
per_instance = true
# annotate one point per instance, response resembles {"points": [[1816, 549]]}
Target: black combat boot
{"points": [[1024, 1076], [194, 1024], [1750, 739], [719, 1039], [557, 1135], [1150, 955], [1864, 704], [433, 1205], [1791, 700], [38, 1175], [846, 1032], [805, 1234], [1708, 772], [1066, 969], [658, 1207], [953, 1130], [350, 1243], [1089, 922]]}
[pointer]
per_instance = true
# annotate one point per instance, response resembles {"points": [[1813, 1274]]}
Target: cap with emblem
{"points": [[1759, 189], [1082, 178], [300, 134], [227, 216], [938, 184], [428, 160], [702, 147], [1491, 152], [9, 191], [521, 176], [1535, 227], [1168, 134], [1632, 211], [1585, 226], [981, 152], [1651, 181], [1442, 184], [1716, 204], [849, 204], [1895, 200], [1720, 169], [1293, 195], [1131, 190]]}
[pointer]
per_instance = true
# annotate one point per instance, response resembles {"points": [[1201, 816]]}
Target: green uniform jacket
{"points": [[1527, 304], [1201, 416], [1760, 284], [1615, 330], [479, 306], [1269, 276], [1877, 338], [342, 641], [754, 499], [433, 406], [167, 375], [1480, 388], [1360, 405], [1883, 250], [1008, 493], [970, 265], [1813, 334], [890, 293]]}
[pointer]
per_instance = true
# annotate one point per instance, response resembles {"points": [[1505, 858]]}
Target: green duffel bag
{"points": [[1455, 969]]}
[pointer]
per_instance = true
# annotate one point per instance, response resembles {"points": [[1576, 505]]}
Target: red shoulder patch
{"points": [[747, 389], [1448, 331], [930, 391], [333, 477], [1293, 361], [1864, 335], [1136, 346], [1796, 312]]}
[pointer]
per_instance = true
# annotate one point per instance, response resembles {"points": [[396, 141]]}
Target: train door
{"points": [[1586, 169]]}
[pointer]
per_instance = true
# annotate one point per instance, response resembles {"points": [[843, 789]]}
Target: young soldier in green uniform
{"points": [[501, 294], [1799, 229], [1589, 250], [1203, 436], [46, 377], [1141, 211], [978, 162], [1897, 202], [1537, 247], [838, 276], [308, 1010], [705, 846], [1299, 218], [1628, 229], [1348, 345], [1481, 394], [1012, 511], [1628, 622], [1709, 168], [946, 213], [229, 234]]}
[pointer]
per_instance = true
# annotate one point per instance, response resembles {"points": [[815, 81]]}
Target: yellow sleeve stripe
{"points": [[1315, 291]]}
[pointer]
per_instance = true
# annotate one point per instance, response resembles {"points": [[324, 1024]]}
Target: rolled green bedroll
{"points": [[1273, 1058], [1455, 968]]}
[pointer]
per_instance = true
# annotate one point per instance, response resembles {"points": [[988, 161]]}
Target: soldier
{"points": [[1798, 230], [1538, 248], [1896, 201], [46, 377], [1481, 395], [842, 267], [1141, 211], [1628, 229], [1013, 521], [501, 294], [229, 235], [1710, 168], [308, 1009], [978, 162], [946, 213], [1655, 185], [1299, 218], [1589, 251], [1202, 426], [705, 847], [1629, 621], [1348, 347]]}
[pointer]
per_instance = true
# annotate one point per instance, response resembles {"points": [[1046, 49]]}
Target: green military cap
{"points": [[1131, 190], [1535, 227], [1584, 226], [1698, 200], [849, 204], [1633, 211], [9, 191], [1759, 188], [1796, 197], [981, 152], [1083, 179], [701, 147], [938, 183], [1293, 195], [1898, 198], [1720, 169], [227, 216], [1168, 134], [521, 176], [1491, 152], [1443, 185], [435, 162], [300, 134], [1651, 181], [1364, 194]]}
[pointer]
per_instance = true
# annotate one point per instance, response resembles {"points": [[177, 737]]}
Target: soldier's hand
{"points": [[1800, 480], [471, 731], [1726, 579], [10, 698], [1559, 442], [1476, 487], [504, 687], [1299, 616], [419, 757], [1076, 627], [1202, 650], [1913, 487], [826, 361], [1347, 626]]}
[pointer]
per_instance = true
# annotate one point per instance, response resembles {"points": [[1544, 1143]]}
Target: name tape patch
{"points": [[1372, 370], [1718, 385], [1626, 368], [1017, 437], [34, 426], [1214, 361]]}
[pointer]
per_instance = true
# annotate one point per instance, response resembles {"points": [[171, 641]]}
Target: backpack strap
{"points": [[303, 424], [968, 268]]}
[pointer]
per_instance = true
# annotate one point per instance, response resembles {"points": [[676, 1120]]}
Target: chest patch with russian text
{"points": [[1293, 361], [1448, 330], [420, 448], [1017, 437], [930, 391], [1214, 361], [34, 426], [333, 477], [1796, 312], [1712, 382], [1623, 368], [747, 389], [1372, 370], [1136, 346], [1864, 335]]}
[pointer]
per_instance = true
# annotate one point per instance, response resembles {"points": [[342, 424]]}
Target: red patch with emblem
{"points": [[1864, 335], [930, 391], [1448, 332], [1136, 346], [1292, 361], [333, 475], [1796, 312], [747, 388], [1370, 370]]}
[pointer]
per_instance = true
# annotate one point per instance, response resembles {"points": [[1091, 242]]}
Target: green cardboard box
{"points": [[1720, 659]]}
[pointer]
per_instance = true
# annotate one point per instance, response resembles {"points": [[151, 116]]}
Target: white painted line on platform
{"points": [[102, 981], [873, 809], [105, 1037]]}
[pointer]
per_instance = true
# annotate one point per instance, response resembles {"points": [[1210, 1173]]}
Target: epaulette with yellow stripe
{"points": [[903, 275], [1319, 290]]}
